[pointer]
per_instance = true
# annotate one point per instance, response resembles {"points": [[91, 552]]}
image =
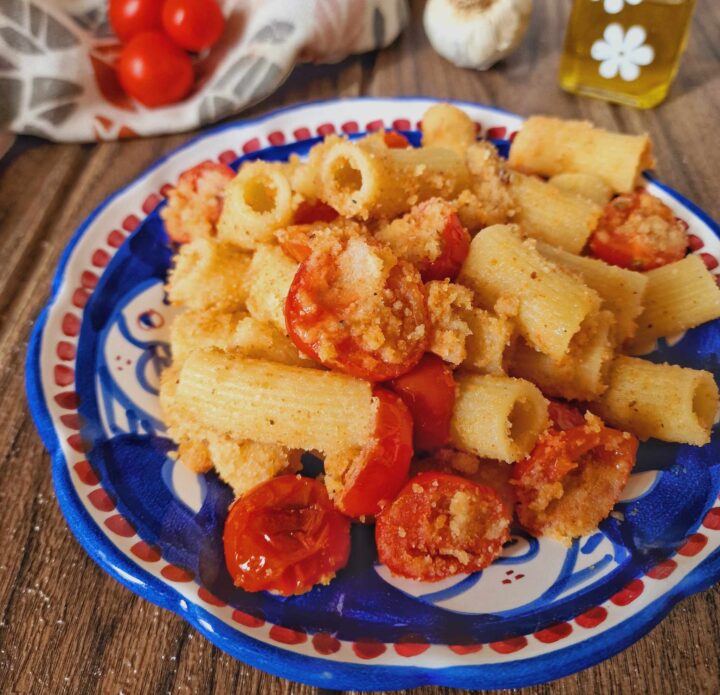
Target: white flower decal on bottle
{"points": [[615, 6], [622, 52]]}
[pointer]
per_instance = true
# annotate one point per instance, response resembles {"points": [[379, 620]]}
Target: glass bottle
{"points": [[626, 51]]}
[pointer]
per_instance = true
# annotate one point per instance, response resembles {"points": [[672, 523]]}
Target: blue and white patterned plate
{"points": [[540, 612]]}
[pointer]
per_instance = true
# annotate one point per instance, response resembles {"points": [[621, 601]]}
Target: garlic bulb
{"points": [[476, 33]]}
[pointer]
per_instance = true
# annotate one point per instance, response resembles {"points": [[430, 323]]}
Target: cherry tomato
{"points": [[349, 322], [201, 190], [455, 248], [131, 17], [573, 478], [441, 525], [564, 417], [193, 24], [640, 232], [153, 70], [396, 140], [372, 477], [314, 211], [285, 536], [428, 390]]}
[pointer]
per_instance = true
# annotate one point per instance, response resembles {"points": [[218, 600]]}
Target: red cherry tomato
{"points": [[372, 478], [348, 323], [638, 231], [295, 239], [564, 417], [428, 391], [153, 70], [201, 189], [193, 24], [395, 140], [441, 525], [455, 248], [285, 536], [573, 477], [314, 211], [131, 17]]}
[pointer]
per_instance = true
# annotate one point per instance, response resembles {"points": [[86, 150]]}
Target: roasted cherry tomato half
{"points": [[395, 140], [638, 231], [455, 249], [441, 525], [573, 477], [310, 211], [153, 70], [193, 24], [428, 390], [129, 18], [196, 201], [363, 482], [369, 323], [285, 536]]}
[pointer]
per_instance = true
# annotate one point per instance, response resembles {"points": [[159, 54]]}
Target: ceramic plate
{"points": [[540, 612]]}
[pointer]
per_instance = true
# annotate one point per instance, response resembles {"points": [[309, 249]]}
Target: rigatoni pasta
{"points": [[550, 146], [488, 342], [549, 305], [497, 417], [447, 126], [584, 185], [671, 403]]}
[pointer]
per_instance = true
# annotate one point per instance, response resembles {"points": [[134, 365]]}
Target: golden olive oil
{"points": [[626, 51]]}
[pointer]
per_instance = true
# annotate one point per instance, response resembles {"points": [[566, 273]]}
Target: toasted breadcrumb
{"points": [[446, 303]]}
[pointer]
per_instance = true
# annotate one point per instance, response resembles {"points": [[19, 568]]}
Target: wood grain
{"points": [[65, 626]]}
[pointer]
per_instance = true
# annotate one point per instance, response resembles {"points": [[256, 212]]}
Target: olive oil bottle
{"points": [[626, 51]]}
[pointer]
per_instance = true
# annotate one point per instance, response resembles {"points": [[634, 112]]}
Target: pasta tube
{"points": [[497, 417], [664, 401], [275, 404], [550, 146], [272, 273], [488, 341], [586, 186], [445, 125], [549, 305]]}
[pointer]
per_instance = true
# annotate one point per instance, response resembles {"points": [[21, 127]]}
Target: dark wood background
{"points": [[65, 626]]}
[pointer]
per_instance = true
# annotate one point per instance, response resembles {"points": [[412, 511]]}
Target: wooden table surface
{"points": [[65, 626]]}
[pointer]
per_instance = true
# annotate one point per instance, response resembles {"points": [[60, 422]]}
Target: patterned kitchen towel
{"points": [[56, 62]]}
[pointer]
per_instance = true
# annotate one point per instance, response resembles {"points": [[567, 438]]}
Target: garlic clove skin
{"points": [[476, 33]]}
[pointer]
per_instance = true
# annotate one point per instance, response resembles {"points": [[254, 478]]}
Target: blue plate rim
{"points": [[282, 662]]}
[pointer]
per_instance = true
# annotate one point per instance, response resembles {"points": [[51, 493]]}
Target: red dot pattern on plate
{"points": [[88, 280], [71, 421], [325, 643], [554, 633], [509, 646], [100, 258], [80, 297], [287, 636], [464, 649], [663, 569], [227, 157], [276, 138], [251, 146], [710, 261], [478, 128], [695, 242], [131, 223], [68, 400], [246, 619], [85, 472], [151, 202], [119, 525], [101, 500], [213, 600], [302, 133], [496, 133], [368, 649], [401, 124], [76, 443], [375, 125], [64, 376], [693, 545], [712, 519], [325, 129], [176, 574], [145, 551], [65, 350], [628, 594], [411, 648], [350, 127], [115, 238], [70, 325], [592, 617]]}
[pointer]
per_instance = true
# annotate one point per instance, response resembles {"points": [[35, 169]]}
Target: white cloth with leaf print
{"points": [[56, 62]]}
